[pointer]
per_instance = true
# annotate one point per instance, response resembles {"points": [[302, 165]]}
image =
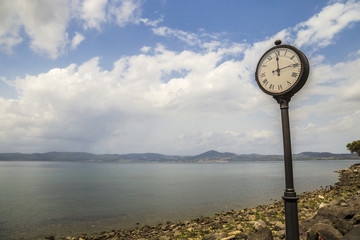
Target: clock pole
{"points": [[290, 198], [281, 72]]}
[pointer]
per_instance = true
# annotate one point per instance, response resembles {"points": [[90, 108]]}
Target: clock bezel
{"points": [[303, 75]]}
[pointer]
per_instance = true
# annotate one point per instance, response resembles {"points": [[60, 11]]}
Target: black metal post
{"points": [[290, 198]]}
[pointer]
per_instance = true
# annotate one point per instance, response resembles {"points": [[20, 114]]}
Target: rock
{"points": [[239, 227], [234, 233], [321, 197], [229, 237], [324, 230], [336, 202], [262, 234], [240, 236], [340, 217], [164, 238], [279, 226], [209, 237], [252, 217], [216, 225], [259, 225], [322, 205], [281, 234], [177, 233], [356, 219]]}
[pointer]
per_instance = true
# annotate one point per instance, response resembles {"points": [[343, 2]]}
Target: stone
{"points": [[239, 227], [321, 197], [252, 217], [281, 234], [322, 205], [262, 234], [234, 232], [241, 236], [177, 233], [279, 226], [164, 238], [324, 230], [209, 237], [340, 217], [259, 225], [229, 237], [216, 225]]}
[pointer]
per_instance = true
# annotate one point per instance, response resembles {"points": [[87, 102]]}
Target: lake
{"points": [[71, 198]]}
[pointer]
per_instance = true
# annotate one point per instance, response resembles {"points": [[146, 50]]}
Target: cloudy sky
{"points": [[173, 76]]}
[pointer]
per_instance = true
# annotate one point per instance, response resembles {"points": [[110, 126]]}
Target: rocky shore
{"points": [[327, 213]]}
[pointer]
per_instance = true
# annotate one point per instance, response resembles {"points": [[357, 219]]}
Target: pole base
{"points": [[291, 215]]}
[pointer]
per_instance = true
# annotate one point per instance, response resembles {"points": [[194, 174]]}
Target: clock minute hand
{"points": [[287, 66]]}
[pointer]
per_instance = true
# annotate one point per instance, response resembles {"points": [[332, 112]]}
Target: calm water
{"points": [[42, 198]]}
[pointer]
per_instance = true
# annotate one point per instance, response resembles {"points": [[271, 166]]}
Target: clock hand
{"points": [[277, 62], [288, 66]]}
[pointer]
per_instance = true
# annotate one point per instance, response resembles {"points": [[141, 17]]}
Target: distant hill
{"points": [[210, 156]]}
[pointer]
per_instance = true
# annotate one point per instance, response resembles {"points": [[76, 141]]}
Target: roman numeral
{"points": [[271, 87], [262, 75], [277, 53], [289, 83], [265, 82], [292, 57], [269, 58], [294, 74], [280, 87]]}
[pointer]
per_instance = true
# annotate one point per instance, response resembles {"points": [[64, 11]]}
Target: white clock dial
{"points": [[279, 70]]}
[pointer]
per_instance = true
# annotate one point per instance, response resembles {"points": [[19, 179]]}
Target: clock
{"points": [[282, 71]]}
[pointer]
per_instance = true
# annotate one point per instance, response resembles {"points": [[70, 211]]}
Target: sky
{"points": [[173, 76]]}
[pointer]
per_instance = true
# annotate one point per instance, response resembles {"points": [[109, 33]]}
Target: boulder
{"points": [[340, 217], [324, 230]]}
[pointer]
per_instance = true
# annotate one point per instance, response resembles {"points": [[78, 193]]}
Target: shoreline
{"points": [[313, 209]]}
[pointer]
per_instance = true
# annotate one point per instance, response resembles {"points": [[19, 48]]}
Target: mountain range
{"points": [[210, 156]]}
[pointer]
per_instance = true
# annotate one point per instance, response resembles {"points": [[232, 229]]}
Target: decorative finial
{"points": [[277, 42]]}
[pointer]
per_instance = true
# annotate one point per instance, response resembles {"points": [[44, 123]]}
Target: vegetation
{"points": [[354, 147]]}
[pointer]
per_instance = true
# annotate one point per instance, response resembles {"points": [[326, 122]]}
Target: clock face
{"points": [[279, 70]]}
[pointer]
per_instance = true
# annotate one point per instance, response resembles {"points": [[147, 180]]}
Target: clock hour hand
{"points": [[278, 69]]}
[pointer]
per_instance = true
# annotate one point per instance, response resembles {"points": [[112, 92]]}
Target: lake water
{"points": [[57, 198]]}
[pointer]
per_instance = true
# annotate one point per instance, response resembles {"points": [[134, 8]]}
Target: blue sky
{"points": [[173, 77]]}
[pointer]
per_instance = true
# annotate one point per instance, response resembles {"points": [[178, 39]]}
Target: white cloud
{"points": [[321, 28], [93, 13], [176, 102], [91, 106], [189, 38], [77, 39], [9, 26], [46, 22], [126, 11]]}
